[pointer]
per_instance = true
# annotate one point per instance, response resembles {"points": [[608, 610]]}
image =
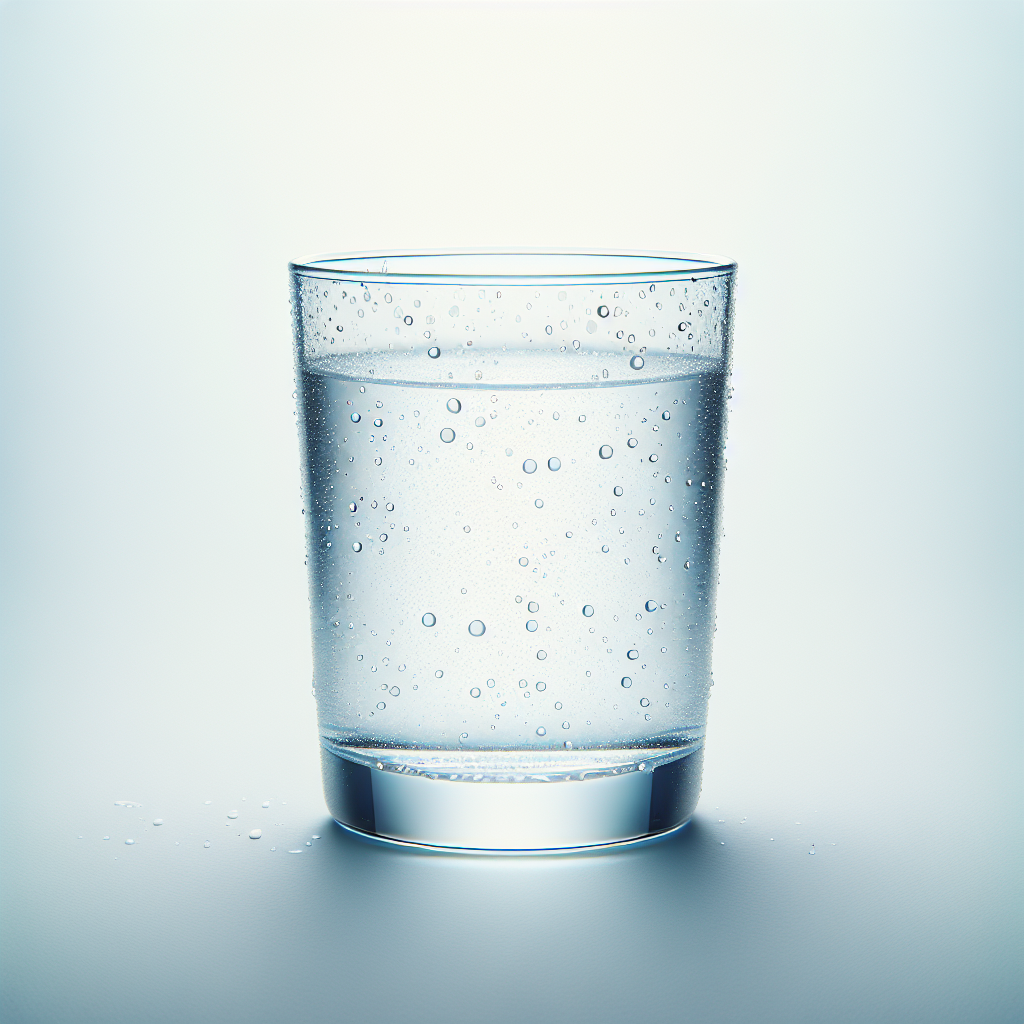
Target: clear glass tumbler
{"points": [[511, 466]]}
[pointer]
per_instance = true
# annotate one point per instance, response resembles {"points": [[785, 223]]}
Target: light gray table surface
{"points": [[161, 163]]}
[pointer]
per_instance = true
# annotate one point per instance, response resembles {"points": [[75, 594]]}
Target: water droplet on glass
{"points": [[524, 561], [541, 731], [378, 422], [255, 833], [479, 421], [602, 310], [453, 405], [632, 655], [475, 692], [533, 606], [689, 483], [356, 546], [206, 845], [232, 814], [447, 435], [554, 464], [637, 362], [433, 351], [428, 619], [604, 548], [644, 702], [355, 417], [408, 321], [651, 606], [605, 451], [617, 491], [541, 687], [531, 626], [627, 682], [381, 706], [686, 565], [811, 850], [529, 466], [129, 842], [266, 803], [632, 442], [438, 674], [352, 506], [652, 458], [395, 691], [541, 655], [538, 503], [588, 610], [477, 628]]}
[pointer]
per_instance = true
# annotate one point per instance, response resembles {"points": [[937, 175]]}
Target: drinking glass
{"points": [[512, 466]]}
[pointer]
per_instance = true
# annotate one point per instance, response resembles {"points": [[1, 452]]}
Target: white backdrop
{"points": [[161, 162]]}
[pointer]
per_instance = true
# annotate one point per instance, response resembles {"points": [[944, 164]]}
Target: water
{"points": [[604, 519]]}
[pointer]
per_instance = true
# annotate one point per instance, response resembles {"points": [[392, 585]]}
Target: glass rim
{"points": [[372, 266]]}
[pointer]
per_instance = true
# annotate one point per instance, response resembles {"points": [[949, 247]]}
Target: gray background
{"points": [[161, 162]]}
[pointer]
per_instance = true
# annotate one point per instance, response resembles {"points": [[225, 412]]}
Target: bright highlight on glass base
{"points": [[524, 815]]}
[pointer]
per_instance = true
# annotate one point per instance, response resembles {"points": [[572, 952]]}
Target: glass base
{"points": [[513, 816]]}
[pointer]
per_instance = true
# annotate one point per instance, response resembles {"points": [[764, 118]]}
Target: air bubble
{"points": [[454, 405], [529, 466], [637, 362], [433, 351], [554, 464], [588, 610], [477, 628], [447, 435], [429, 619], [541, 687], [605, 451]]}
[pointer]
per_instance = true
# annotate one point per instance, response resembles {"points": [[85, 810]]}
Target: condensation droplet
{"points": [[447, 435], [524, 561], [433, 351], [232, 814], [477, 628], [554, 464], [651, 606], [129, 842], [627, 682], [632, 655], [605, 451], [475, 692], [541, 655], [539, 503], [632, 442], [255, 833], [355, 417], [428, 619], [408, 321], [529, 466], [666, 415], [206, 845], [588, 610], [617, 491], [644, 702], [637, 362], [356, 546], [541, 731], [531, 626], [453, 405], [686, 565], [602, 311], [352, 506]]}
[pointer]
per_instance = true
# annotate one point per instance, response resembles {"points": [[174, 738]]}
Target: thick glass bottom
{"points": [[481, 814]]}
